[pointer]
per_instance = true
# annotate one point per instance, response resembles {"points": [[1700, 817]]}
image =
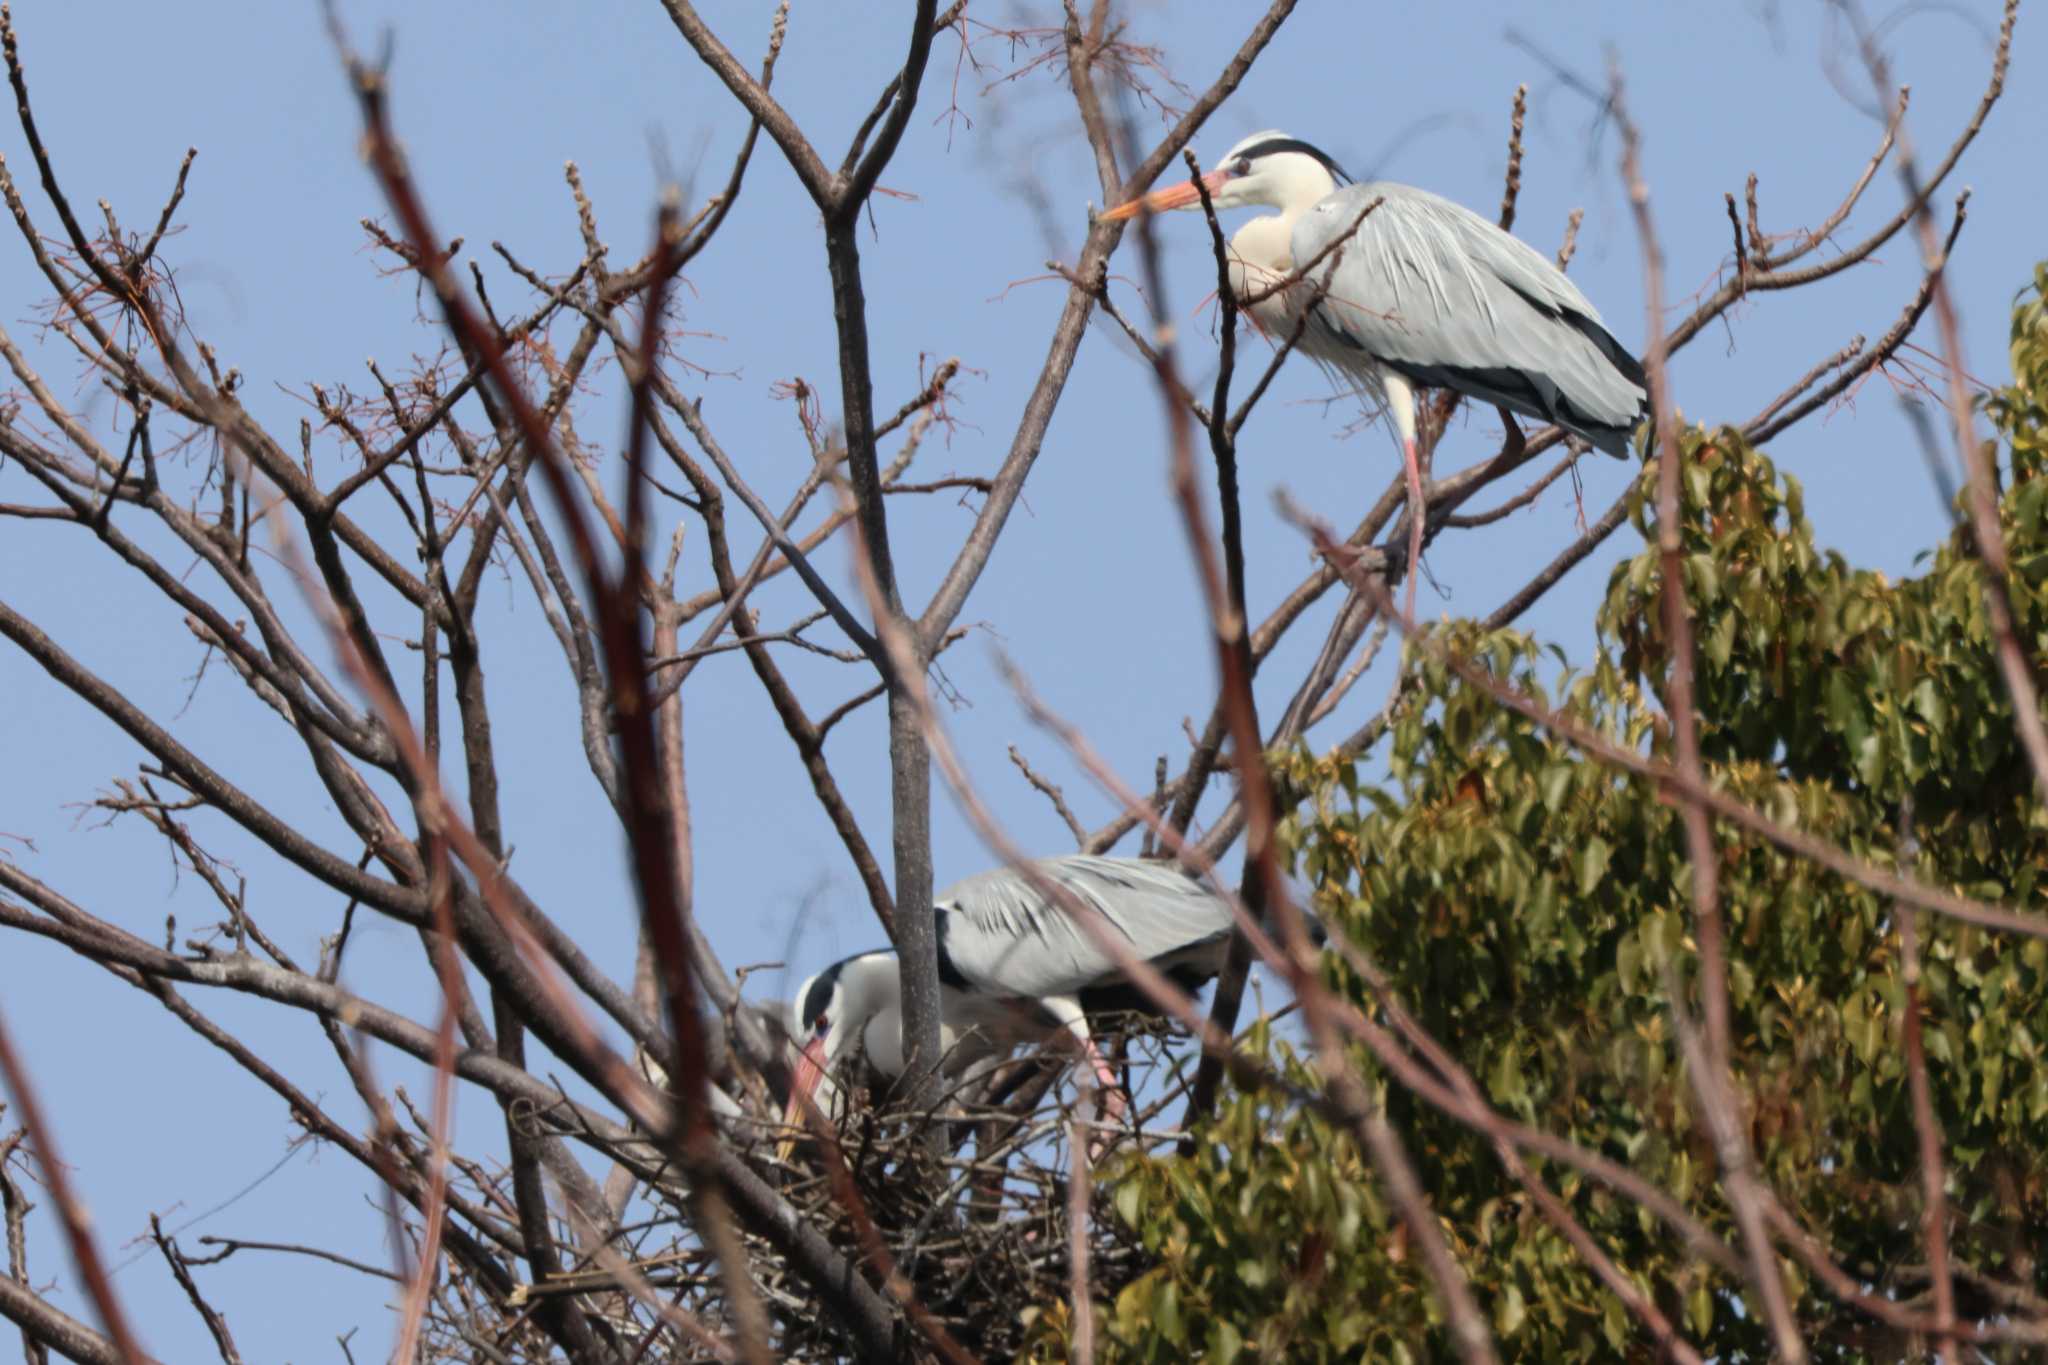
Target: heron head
{"points": [[852, 1001], [1268, 168], [818, 1034]]}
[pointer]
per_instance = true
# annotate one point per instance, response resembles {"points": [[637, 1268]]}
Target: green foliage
{"points": [[1533, 908]]}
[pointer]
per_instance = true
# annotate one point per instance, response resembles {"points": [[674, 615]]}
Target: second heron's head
{"points": [[1267, 168], [833, 1011]]}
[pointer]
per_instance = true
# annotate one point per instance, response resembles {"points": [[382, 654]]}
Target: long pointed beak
{"points": [[810, 1069], [1172, 197]]}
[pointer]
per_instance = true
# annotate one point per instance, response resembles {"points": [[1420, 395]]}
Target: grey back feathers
{"points": [[1446, 298], [1013, 959], [1001, 935]]}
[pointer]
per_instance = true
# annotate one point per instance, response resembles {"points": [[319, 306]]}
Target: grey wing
{"points": [[998, 934], [1444, 297]]}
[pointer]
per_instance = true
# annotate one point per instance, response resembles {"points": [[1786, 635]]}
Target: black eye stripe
{"points": [[820, 994], [1276, 145]]}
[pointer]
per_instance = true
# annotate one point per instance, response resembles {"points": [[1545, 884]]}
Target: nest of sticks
{"points": [[975, 1226], [962, 1214]]}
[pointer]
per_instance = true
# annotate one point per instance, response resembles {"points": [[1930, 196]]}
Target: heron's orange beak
{"points": [[810, 1069], [1172, 197]]}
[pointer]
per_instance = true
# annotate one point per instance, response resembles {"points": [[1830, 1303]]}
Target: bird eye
{"points": [[1242, 166], [824, 1022]]}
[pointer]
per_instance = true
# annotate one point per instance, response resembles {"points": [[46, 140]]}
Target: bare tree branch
{"points": [[1714, 1100]]}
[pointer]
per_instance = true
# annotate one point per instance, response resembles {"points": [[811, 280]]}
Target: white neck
{"points": [[1263, 249], [1266, 243], [868, 985], [1292, 183], [869, 1009], [864, 1009]]}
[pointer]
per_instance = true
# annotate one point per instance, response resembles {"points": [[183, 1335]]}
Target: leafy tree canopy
{"points": [[1532, 908]]}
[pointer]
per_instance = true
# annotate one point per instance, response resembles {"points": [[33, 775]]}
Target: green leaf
{"points": [[1130, 1197], [1166, 1313], [1508, 1312], [1592, 862]]}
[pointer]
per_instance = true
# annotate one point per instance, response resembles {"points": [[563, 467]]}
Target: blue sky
{"points": [[1090, 589]]}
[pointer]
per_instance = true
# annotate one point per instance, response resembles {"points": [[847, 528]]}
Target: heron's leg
{"points": [[1401, 404], [1512, 444], [1109, 1105]]}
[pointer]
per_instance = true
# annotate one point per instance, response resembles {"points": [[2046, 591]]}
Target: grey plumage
{"points": [[1004, 937], [1431, 289], [1015, 966], [1425, 294]]}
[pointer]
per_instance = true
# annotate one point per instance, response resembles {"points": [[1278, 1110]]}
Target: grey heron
{"points": [[1425, 294], [1013, 966]]}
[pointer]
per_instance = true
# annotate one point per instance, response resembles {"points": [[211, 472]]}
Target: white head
{"points": [[1268, 168], [832, 1010]]}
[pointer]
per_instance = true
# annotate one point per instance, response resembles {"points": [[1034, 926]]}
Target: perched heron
{"points": [[1013, 966], [1422, 293]]}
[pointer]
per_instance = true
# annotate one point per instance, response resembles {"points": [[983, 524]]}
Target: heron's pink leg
{"points": [[1109, 1108], [1412, 466]]}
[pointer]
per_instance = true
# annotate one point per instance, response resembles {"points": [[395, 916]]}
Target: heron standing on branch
{"points": [[1014, 966], [1405, 290]]}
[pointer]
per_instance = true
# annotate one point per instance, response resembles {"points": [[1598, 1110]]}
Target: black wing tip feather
{"points": [[1618, 355], [1514, 389]]}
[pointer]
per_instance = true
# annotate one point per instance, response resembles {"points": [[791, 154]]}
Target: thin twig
{"points": [[1514, 176], [1080, 1302], [1052, 794], [223, 1339], [1933, 1179], [71, 1213]]}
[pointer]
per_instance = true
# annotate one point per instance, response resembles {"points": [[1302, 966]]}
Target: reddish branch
{"points": [[2014, 665], [1715, 1101], [1267, 893], [71, 1214], [649, 819]]}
